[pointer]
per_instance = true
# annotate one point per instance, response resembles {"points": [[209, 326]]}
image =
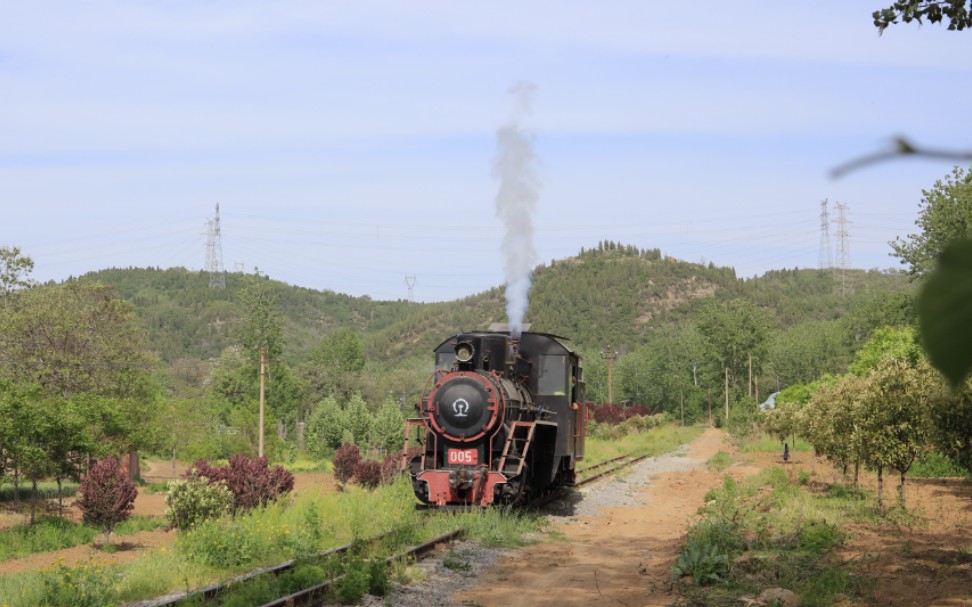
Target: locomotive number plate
{"points": [[463, 456]]}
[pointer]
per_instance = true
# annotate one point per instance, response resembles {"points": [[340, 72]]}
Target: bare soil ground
{"points": [[131, 547], [620, 556], [623, 555]]}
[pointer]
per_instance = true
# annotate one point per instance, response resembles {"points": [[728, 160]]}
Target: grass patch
{"points": [[45, 491], [936, 465], [305, 464], [769, 531], [53, 533], [656, 441], [720, 461], [764, 443]]}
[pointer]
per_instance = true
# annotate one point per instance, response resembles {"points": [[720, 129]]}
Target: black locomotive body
{"points": [[502, 418]]}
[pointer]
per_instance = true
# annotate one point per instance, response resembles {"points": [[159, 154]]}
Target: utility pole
{"points": [[710, 407], [681, 405], [727, 397], [263, 376], [609, 355], [749, 387]]}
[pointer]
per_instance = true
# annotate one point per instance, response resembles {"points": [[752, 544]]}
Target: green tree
{"points": [[956, 12], [734, 331], [806, 351], [76, 338], [897, 399], [828, 422], [360, 420], [15, 270], [335, 366], [944, 217], [74, 353], [325, 430], [896, 343], [261, 334], [388, 430]]}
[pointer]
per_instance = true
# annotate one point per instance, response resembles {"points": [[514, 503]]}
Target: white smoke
{"points": [[516, 200]]}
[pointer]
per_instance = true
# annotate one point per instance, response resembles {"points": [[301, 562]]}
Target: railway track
{"points": [[214, 594], [310, 596]]}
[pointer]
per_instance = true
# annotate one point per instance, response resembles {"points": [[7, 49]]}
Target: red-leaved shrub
{"points": [[250, 479], [107, 496], [368, 473], [391, 467], [345, 460], [610, 413]]}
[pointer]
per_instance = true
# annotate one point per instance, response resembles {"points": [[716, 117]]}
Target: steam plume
{"points": [[516, 200]]}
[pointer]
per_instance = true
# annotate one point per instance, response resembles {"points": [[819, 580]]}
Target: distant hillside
{"points": [[613, 294]]}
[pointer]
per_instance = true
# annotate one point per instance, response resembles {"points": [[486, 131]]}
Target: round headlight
{"points": [[464, 353]]}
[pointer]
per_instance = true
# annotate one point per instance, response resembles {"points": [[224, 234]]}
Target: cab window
{"points": [[444, 360], [552, 376]]}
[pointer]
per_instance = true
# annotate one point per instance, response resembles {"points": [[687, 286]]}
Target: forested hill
{"points": [[612, 294]]}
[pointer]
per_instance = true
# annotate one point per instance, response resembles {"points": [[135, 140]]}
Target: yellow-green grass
{"points": [[653, 442], [221, 549], [764, 443]]}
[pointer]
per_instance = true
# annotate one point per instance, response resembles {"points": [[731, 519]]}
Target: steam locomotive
{"points": [[502, 419]]}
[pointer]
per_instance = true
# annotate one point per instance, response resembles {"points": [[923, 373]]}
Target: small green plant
{"points": [[803, 478], [704, 563], [355, 583], [820, 536], [720, 461], [452, 562]]}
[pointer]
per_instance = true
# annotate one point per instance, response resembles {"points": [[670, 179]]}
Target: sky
{"points": [[351, 145]]}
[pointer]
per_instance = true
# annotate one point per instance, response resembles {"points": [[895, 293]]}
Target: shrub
{"points": [[195, 500], [107, 496], [250, 479], [367, 473], [345, 460], [391, 467]]}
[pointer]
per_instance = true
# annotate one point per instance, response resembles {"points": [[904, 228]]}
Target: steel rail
{"points": [[307, 596], [210, 593]]}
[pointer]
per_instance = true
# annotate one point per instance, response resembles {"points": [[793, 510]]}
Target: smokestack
{"points": [[516, 200]]}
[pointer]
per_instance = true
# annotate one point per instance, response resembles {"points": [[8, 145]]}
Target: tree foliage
{"points": [[945, 216], [335, 366], [734, 331], [955, 12], [15, 269]]}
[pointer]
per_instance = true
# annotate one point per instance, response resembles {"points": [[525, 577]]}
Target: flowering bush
{"points": [[194, 500], [345, 461], [107, 496]]}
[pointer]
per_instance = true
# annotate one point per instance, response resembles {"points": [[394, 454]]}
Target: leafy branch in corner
{"points": [[902, 147], [935, 11]]}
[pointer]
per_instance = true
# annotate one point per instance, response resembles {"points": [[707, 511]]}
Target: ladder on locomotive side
{"points": [[516, 447]]}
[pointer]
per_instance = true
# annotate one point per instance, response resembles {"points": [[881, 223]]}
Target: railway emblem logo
{"points": [[461, 407]]}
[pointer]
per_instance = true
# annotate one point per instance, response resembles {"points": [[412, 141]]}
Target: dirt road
{"points": [[620, 555]]}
